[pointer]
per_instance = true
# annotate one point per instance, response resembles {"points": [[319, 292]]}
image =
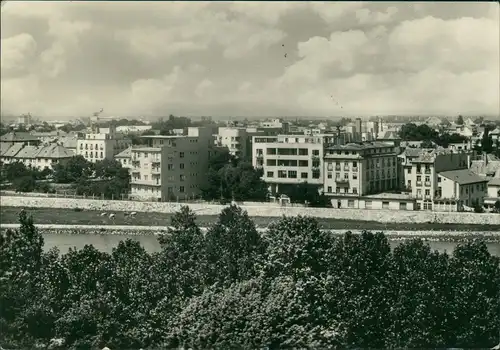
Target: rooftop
{"points": [[495, 181], [13, 150], [28, 152], [55, 151], [389, 135], [463, 177], [361, 146], [18, 137], [125, 153]]}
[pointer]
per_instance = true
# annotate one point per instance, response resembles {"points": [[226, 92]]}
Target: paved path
{"points": [[104, 229]]}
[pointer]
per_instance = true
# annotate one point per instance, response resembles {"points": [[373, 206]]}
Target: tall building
{"points": [[355, 170], [290, 159], [421, 173], [171, 167], [102, 144], [235, 139]]}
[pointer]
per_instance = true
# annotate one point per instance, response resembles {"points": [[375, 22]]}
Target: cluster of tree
{"points": [[487, 145], [294, 287], [166, 126], [423, 132], [305, 193], [230, 178], [104, 178], [25, 178]]}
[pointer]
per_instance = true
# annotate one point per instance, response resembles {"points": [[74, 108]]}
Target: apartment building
{"points": [[290, 159], [421, 173], [124, 157], [235, 139], [493, 194], [171, 167], [459, 188], [356, 170], [101, 144]]}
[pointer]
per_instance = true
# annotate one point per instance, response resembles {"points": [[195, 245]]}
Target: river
{"points": [[106, 242]]}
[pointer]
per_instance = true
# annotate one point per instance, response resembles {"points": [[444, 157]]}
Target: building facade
{"points": [[356, 170], [235, 140], [459, 188], [290, 159], [98, 145], [170, 168]]}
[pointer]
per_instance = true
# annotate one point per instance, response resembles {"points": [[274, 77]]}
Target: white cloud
{"points": [[17, 51], [152, 57]]}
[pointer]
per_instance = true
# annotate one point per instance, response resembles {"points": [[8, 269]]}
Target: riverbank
{"points": [[268, 210], [117, 230], [62, 216]]}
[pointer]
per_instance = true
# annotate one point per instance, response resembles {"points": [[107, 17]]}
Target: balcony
{"points": [[418, 196], [419, 183], [315, 156], [259, 156], [135, 171], [419, 171], [155, 171], [355, 169], [342, 181], [155, 161], [136, 161], [427, 196], [337, 167], [427, 184], [346, 168], [427, 171]]}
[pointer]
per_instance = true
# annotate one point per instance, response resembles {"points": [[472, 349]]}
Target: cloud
{"points": [[226, 58]]}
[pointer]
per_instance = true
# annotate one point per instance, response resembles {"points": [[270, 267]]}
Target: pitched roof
{"points": [[12, 151], [463, 176], [494, 182], [414, 152], [125, 153], [28, 152], [55, 151], [69, 141], [4, 146], [18, 137], [485, 168]]}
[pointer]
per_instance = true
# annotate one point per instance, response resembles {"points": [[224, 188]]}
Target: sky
{"points": [[144, 59]]}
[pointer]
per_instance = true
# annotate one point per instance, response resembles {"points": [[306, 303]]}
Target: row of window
{"points": [[292, 174], [288, 151], [290, 163], [91, 146], [92, 155], [354, 190]]}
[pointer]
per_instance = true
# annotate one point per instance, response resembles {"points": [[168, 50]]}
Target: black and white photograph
{"points": [[249, 175]]}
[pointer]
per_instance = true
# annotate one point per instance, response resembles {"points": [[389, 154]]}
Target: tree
{"points": [[75, 168], [486, 141], [107, 168], [412, 132], [309, 193], [15, 170], [460, 120]]}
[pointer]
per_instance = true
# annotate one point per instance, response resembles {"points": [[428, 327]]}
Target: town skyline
{"points": [[250, 59]]}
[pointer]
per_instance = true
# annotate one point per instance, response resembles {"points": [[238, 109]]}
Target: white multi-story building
{"points": [[458, 188], [98, 145], [290, 159], [235, 139], [171, 167]]}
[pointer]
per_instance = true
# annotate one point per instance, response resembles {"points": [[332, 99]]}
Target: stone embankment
{"points": [[443, 236], [257, 210]]}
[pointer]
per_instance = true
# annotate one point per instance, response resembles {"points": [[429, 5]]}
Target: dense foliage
{"points": [[423, 132], [229, 178], [231, 287], [25, 178]]}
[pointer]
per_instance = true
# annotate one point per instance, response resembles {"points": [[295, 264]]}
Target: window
{"points": [[315, 152], [402, 206], [316, 175], [282, 174], [102, 157], [419, 178], [346, 176], [145, 177], [385, 205], [181, 189], [170, 167], [303, 175], [354, 164], [427, 192], [91, 154], [270, 173], [427, 179], [182, 177], [368, 204], [329, 175], [303, 163], [303, 152], [350, 203], [354, 176], [329, 190], [346, 190], [354, 190], [181, 166], [292, 174]]}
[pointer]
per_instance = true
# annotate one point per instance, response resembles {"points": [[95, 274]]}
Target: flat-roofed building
{"points": [[102, 144], [356, 170], [171, 167], [235, 140], [459, 188], [290, 159]]}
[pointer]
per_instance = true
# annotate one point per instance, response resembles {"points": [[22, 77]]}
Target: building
{"points": [[236, 140], [124, 158], [493, 193], [275, 126], [421, 173], [290, 159], [357, 170], [24, 119], [171, 167], [97, 145], [133, 129], [39, 157], [459, 188], [485, 165], [20, 137]]}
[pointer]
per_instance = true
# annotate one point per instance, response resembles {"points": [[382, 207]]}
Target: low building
{"points": [[39, 157], [493, 194], [98, 145], [388, 201], [20, 137], [459, 188]]}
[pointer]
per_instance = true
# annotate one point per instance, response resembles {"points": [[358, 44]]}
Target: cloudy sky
{"points": [[249, 59]]}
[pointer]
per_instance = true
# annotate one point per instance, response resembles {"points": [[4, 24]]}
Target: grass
{"points": [[9, 215]]}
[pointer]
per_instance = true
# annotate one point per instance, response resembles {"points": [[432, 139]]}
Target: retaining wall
{"points": [[257, 210]]}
